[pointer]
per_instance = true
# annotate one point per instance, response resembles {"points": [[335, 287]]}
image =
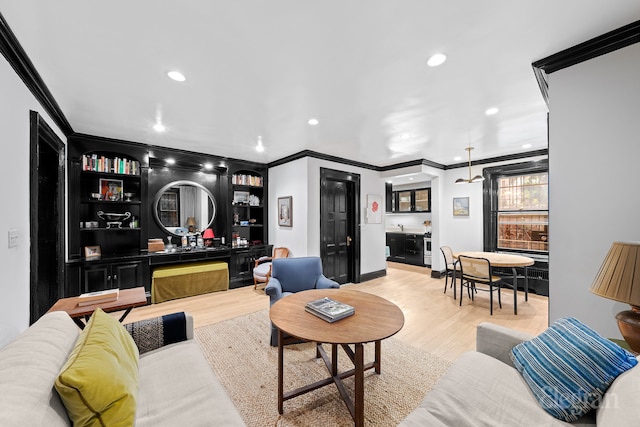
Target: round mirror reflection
{"points": [[184, 207]]}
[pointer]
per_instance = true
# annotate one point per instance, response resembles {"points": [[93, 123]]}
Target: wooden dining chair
{"points": [[452, 268], [477, 271]]}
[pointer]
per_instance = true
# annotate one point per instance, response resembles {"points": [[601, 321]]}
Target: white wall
{"points": [[290, 179], [301, 179], [15, 103], [594, 153]]}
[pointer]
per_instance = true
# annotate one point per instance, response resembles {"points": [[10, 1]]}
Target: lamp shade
{"points": [[208, 234], [191, 221], [619, 275]]}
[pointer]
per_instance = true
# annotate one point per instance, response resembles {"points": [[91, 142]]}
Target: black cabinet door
{"points": [[388, 197], [396, 243], [96, 278], [414, 249], [126, 275], [109, 276]]}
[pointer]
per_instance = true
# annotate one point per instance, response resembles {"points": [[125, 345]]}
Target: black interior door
{"points": [[339, 232], [46, 217]]}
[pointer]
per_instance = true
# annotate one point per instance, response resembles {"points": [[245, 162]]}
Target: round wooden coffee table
{"points": [[375, 319]]}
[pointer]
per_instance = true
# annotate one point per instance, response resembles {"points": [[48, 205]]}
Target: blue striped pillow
{"points": [[569, 367]]}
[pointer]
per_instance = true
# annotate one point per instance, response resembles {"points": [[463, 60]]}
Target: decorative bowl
{"points": [[109, 216]]}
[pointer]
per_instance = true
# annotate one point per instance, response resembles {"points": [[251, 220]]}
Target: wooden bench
{"points": [[185, 280]]}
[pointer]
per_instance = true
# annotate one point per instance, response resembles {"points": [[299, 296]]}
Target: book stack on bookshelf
{"points": [[98, 297], [117, 165], [250, 180], [329, 309]]}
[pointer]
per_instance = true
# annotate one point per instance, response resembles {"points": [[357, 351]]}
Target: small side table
{"points": [[127, 300]]}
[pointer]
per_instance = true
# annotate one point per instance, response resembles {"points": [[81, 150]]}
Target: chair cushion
{"points": [[569, 367], [99, 382], [262, 270]]}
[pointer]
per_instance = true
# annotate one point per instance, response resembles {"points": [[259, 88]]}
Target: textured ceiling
{"points": [[265, 67]]}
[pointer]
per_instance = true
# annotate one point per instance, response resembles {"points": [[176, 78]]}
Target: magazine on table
{"points": [[98, 297], [329, 309]]}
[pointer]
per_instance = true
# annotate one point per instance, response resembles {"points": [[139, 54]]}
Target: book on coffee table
{"points": [[329, 309], [98, 297]]}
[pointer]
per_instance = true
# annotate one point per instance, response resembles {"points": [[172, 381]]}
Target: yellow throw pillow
{"points": [[99, 383]]}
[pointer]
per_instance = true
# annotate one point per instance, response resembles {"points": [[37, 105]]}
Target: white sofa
{"points": [[482, 388], [176, 385]]}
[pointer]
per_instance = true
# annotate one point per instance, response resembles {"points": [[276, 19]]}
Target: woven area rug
{"points": [[239, 353]]}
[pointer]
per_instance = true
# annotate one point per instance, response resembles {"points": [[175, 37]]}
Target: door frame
{"points": [[353, 180], [40, 132]]}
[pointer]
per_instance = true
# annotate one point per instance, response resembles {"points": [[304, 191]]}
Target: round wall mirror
{"points": [[184, 207]]}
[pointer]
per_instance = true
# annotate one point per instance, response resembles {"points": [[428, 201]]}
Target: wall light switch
{"points": [[13, 238]]}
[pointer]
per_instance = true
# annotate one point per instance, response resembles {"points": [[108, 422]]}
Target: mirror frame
{"points": [[177, 183]]}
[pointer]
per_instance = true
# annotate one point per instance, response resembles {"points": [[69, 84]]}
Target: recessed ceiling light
{"points": [[457, 158], [313, 122], [171, 161], [410, 178], [208, 166], [526, 145], [177, 76], [491, 111], [259, 147], [159, 127], [437, 59]]}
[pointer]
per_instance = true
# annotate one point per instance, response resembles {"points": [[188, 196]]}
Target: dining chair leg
{"points": [[490, 300], [446, 280]]}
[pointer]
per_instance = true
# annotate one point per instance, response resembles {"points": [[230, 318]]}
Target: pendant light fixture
{"points": [[476, 178]]}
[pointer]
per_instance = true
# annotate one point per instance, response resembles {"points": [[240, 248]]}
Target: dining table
{"points": [[505, 260]]}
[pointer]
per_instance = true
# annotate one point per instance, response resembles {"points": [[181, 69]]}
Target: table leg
{"points": [[515, 290], [526, 284], [280, 373], [125, 314], [376, 361], [334, 360], [79, 322], [359, 386]]}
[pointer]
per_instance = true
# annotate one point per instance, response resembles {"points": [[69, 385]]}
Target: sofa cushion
{"points": [[181, 370], [480, 391], [29, 366], [620, 404], [99, 383], [569, 367]]}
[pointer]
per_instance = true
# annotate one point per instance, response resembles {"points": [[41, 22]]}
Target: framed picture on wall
{"points": [[460, 206], [111, 189], [92, 252], [285, 212]]}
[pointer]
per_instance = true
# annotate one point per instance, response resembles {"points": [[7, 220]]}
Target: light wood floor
{"points": [[434, 321]]}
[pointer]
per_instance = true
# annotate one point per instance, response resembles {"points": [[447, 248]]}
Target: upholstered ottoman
{"points": [[185, 280]]}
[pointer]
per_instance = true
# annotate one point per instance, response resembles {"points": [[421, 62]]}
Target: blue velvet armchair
{"points": [[290, 275]]}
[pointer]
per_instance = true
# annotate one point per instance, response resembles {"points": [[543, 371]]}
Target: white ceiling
{"points": [[258, 67]]}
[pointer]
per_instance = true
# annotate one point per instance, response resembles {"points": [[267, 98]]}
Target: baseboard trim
{"points": [[437, 274], [373, 275]]}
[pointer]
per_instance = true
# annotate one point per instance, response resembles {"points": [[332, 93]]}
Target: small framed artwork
{"points": [[240, 197], [460, 206], [285, 212], [91, 252], [111, 189]]}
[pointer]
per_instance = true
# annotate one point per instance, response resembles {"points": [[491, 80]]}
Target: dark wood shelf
{"points": [[112, 202], [109, 174], [110, 229]]}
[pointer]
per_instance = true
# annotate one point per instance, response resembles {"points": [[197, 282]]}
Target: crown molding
{"points": [[20, 62], [597, 46]]}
